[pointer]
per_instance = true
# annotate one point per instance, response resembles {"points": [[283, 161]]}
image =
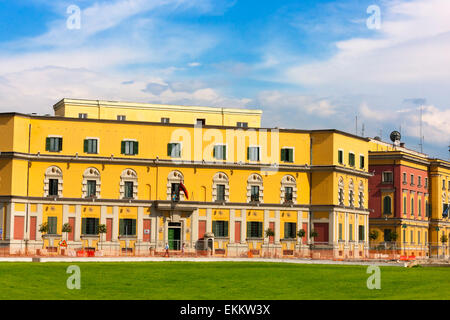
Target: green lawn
{"points": [[219, 281]]}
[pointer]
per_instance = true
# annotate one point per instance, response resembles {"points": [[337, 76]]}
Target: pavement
{"points": [[160, 259]]}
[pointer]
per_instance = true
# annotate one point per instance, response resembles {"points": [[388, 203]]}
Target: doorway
{"points": [[174, 236]]}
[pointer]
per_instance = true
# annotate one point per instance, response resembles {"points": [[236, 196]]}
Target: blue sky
{"points": [[306, 64]]}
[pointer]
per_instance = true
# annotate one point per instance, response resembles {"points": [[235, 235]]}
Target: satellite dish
{"points": [[395, 136]]}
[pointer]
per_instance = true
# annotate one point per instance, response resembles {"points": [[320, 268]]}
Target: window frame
{"points": [[181, 149], [48, 143], [292, 149], [135, 147], [86, 146], [224, 150], [259, 153]]}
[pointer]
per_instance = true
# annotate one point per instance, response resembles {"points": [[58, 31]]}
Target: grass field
{"points": [[218, 281]]}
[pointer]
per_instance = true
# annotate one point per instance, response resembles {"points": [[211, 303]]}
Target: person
{"points": [[167, 250]]}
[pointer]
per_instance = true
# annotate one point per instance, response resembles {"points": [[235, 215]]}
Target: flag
{"points": [[183, 188]]}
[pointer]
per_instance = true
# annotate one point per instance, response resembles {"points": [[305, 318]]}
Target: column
{"points": [[115, 224], [266, 225], [140, 224], [277, 227], [231, 225], [65, 213], [194, 228], [77, 231], [9, 226], [243, 226], [331, 226], [209, 220], [346, 228]]}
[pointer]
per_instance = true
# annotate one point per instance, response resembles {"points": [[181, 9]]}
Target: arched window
{"points": [[255, 189], [387, 205], [173, 186], [341, 196], [361, 195], [91, 183], [288, 189], [53, 182], [128, 184], [221, 187], [351, 193]]}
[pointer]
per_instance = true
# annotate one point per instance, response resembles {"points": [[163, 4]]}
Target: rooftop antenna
{"points": [[421, 130], [356, 130]]}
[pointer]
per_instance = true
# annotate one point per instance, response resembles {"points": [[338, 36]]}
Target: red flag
{"points": [[183, 188]]}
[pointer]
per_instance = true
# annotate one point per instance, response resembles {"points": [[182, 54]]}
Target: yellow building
{"points": [[121, 168]]}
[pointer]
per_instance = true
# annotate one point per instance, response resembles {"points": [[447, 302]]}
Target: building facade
{"points": [[408, 200], [193, 178]]}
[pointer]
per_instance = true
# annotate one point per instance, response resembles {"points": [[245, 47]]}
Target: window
{"points": [[418, 237], [287, 155], [387, 177], [290, 230], [255, 193], [351, 159], [91, 146], [412, 236], [220, 152], [427, 208], [220, 229], [443, 184], [174, 150], [404, 205], [82, 115], [175, 192], [340, 232], [242, 124], [253, 154], [130, 148], [387, 205], [165, 120], [419, 209], [426, 182], [91, 188], [52, 224], [89, 226], [419, 181], [404, 178], [201, 122], [254, 229], [412, 206], [426, 237], [412, 179], [387, 235], [341, 157], [220, 192], [445, 210], [53, 187], [122, 118], [127, 227], [221, 187], [361, 162], [53, 144], [288, 193], [350, 232], [129, 189], [361, 233]]}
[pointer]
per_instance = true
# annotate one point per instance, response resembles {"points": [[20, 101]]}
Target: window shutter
{"points": [[121, 227], [214, 228], [214, 151], [249, 229], [260, 229], [226, 228], [286, 230], [291, 155], [136, 147], [248, 153], [169, 149], [122, 148], [96, 225], [86, 145], [59, 144], [47, 144], [83, 226], [224, 152], [283, 154], [133, 227]]}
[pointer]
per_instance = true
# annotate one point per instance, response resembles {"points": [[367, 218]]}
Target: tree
{"points": [[373, 235], [444, 239], [43, 228], [314, 234], [66, 228], [394, 236], [301, 234], [101, 228]]}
